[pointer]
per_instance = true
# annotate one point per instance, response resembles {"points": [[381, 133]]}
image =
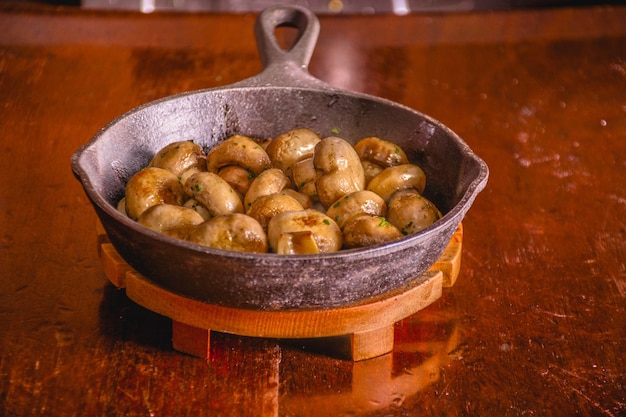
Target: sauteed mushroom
{"points": [[398, 178], [411, 212], [366, 230], [370, 170], [238, 150], [303, 199], [377, 154], [303, 174], [268, 182], [170, 219], [196, 206], [340, 169], [179, 157], [381, 152], [297, 243], [214, 193], [238, 177], [324, 231], [149, 187], [267, 206], [235, 231], [331, 208], [292, 146], [354, 204]]}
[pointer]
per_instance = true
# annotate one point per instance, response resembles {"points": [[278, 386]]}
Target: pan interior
{"points": [[207, 117], [269, 281]]}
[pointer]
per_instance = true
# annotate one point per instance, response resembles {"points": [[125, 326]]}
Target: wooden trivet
{"points": [[368, 326]]}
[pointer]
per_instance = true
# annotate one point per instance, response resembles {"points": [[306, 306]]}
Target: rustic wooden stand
{"points": [[368, 328]]}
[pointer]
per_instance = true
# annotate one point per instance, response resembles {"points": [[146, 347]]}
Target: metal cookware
{"points": [[283, 96]]}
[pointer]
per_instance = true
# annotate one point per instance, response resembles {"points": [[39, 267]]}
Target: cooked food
{"points": [[237, 177], [304, 175], [241, 151], [291, 147], [149, 187], [270, 181], [214, 193], [411, 212], [355, 204], [235, 231], [170, 219], [398, 178], [268, 206], [294, 194], [377, 154], [196, 206], [179, 157], [367, 230], [380, 152], [322, 232], [340, 170]]}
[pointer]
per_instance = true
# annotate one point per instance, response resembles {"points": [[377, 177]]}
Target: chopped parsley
{"points": [[384, 222]]}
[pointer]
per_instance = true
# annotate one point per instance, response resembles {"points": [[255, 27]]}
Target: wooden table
{"points": [[536, 322]]}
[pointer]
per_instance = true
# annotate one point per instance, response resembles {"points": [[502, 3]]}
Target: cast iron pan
{"points": [[283, 96]]}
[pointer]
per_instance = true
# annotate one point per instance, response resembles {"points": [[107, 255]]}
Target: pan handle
{"points": [[286, 67]]}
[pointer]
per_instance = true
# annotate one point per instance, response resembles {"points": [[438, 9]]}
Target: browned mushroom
{"points": [[214, 193], [238, 177], [340, 169], [179, 157], [354, 204], [238, 150], [290, 147], [381, 152], [149, 187], [304, 175], [196, 206], [171, 220], [366, 230], [235, 231], [268, 206], [324, 231], [268, 182], [411, 212], [398, 178]]}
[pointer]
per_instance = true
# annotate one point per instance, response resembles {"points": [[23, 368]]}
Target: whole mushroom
{"points": [[354, 204], [170, 219], [322, 233], [179, 157], [340, 170], [214, 193], [235, 231], [367, 230], [304, 175], [398, 178], [411, 212], [237, 177], [377, 154], [290, 147], [149, 187], [381, 152], [268, 182], [238, 150], [268, 206]]}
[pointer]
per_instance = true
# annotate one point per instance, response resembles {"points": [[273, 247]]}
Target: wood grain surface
{"points": [[535, 324]]}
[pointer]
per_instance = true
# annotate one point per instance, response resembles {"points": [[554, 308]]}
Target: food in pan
{"points": [[295, 194]]}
